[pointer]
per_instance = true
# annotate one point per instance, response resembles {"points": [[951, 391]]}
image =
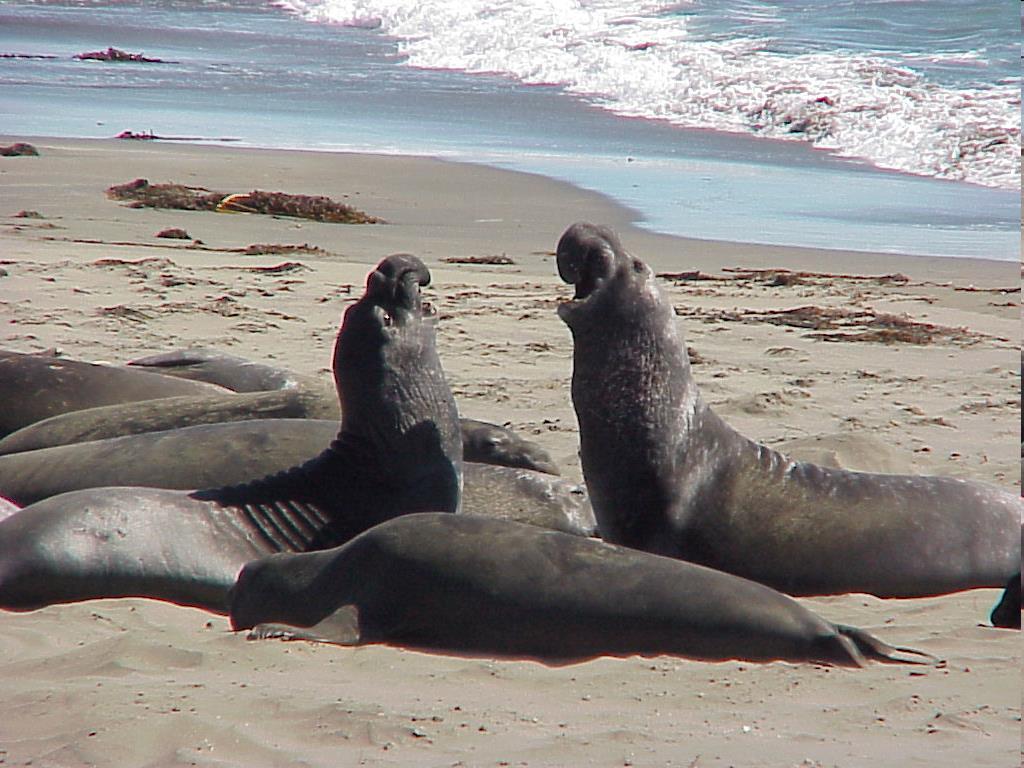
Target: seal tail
{"points": [[873, 648]]}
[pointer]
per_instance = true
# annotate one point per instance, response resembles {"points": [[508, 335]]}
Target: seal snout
{"points": [[397, 280], [586, 257]]}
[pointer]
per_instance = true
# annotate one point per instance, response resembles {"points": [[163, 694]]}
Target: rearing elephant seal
{"points": [[667, 475], [398, 451], [463, 584]]}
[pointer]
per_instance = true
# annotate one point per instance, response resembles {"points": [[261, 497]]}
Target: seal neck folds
{"points": [[400, 447], [394, 396], [631, 386]]}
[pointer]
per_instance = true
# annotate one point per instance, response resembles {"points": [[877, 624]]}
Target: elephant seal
{"points": [[490, 444], [228, 371], [1006, 614], [667, 475], [235, 452], [481, 441], [35, 387], [468, 585], [168, 413], [398, 451]]}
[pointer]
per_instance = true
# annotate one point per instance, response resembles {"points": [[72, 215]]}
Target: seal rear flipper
{"points": [[873, 648], [1006, 614], [339, 628]]}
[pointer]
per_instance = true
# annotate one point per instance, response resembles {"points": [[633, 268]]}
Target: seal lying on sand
{"points": [[35, 387], [462, 584], [398, 451], [236, 452], [667, 475], [307, 399], [167, 413], [228, 371]]}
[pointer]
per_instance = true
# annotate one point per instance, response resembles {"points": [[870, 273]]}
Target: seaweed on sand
{"points": [[139, 193]]}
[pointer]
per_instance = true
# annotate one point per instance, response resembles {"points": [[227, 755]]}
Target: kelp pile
{"points": [[139, 193]]}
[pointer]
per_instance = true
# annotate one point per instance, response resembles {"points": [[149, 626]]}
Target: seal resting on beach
{"points": [[398, 451], [667, 475], [167, 413], [468, 585], [35, 387], [228, 371], [236, 452], [297, 398]]}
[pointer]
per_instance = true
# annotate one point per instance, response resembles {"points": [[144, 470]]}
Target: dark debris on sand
{"points": [[779, 277], [842, 324], [139, 193], [174, 233], [263, 249], [501, 260], [116, 54], [19, 149]]}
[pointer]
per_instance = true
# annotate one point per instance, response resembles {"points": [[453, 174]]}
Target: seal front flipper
{"points": [[339, 628], [872, 648]]}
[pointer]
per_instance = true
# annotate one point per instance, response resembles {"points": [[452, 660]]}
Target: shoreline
{"points": [[694, 253]]}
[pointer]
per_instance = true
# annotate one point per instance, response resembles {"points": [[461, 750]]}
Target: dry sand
{"points": [[136, 682]]}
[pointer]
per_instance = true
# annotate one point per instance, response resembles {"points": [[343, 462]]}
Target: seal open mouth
{"points": [[394, 287], [587, 256]]}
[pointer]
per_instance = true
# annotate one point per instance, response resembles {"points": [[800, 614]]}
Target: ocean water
{"points": [[860, 124]]}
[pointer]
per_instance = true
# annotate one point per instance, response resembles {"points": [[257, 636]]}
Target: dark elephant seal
{"points": [[469, 585], [236, 452], [490, 444], [398, 451], [481, 441], [167, 413], [1006, 614], [228, 371], [35, 387], [667, 475]]}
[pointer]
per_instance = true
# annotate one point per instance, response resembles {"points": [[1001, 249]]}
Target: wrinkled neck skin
{"points": [[400, 423], [647, 439]]}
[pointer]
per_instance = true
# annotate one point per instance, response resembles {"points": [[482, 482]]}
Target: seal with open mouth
{"points": [[667, 475], [399, 451]]}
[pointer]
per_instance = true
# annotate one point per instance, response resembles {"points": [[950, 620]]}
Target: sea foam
{"points": [[641, 60]]}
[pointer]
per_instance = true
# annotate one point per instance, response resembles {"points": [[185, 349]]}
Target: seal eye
{"points": [[386, 318]]}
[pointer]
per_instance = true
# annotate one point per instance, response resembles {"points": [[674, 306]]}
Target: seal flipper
{"points": [[1006, 614], [871, 647], [339, 628]]}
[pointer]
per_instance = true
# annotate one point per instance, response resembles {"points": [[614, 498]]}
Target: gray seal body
{"points": [[236, 452], [667, 475], [459, 584], [35, 387]]}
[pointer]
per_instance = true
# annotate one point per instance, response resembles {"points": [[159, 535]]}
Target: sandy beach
{"points": [[137, 682]]}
